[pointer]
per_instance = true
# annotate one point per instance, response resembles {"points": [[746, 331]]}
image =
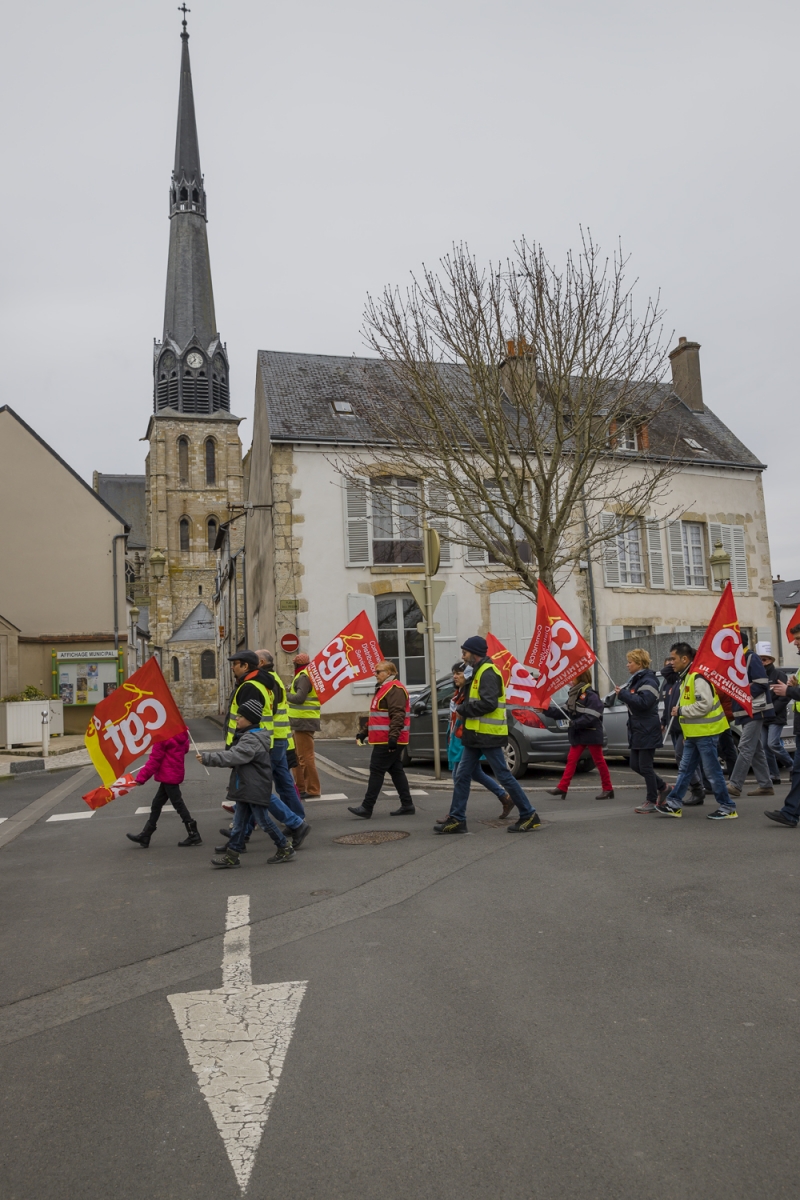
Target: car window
{"points": [[444, 692]]}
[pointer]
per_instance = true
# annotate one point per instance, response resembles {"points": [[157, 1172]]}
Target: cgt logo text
{"points": [[133, 728]]}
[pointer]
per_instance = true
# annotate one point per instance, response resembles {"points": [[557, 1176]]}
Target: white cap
{"points": [[763, 648]]}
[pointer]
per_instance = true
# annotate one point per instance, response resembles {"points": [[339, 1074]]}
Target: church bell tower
{"points": [[194, 467]]}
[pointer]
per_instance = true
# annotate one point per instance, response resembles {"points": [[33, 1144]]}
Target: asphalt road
{"points": [[606, 1008]]}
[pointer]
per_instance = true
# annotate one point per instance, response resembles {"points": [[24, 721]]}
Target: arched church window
{"points": [[213, 529], [184, 533], [211, 462], [208, 666], [176, 670], [183, 460], [184, 194], [195, 195]]}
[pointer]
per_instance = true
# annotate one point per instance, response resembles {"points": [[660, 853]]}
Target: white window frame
{"points": [[357, 523], [690, 578], [477, 556], [614, 565]]}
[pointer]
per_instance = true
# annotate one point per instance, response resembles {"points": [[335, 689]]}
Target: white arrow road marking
{"points": [[236, 1037]]}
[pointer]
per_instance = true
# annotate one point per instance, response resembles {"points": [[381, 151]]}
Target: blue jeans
{"points": [[246, 814], [791, 805], [701, 751], [282, 778], [280, 812], [470, 759], [480, 776], [774, 748]]}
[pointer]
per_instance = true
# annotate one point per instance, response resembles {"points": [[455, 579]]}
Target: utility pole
{"points": [[427, 595]]}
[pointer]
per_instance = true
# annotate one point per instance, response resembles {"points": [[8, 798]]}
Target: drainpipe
{"points": [[777, 608], [118, 537]]}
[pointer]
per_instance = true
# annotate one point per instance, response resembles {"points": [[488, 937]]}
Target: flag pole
{"points": [[194, 743], [602, 668]]}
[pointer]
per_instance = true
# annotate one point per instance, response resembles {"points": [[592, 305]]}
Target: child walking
{"points": [[166, 763]]}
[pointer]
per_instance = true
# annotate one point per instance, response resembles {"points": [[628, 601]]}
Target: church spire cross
{"points": [[183, 9]]}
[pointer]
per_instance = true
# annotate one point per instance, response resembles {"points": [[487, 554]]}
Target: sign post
{"points": [[427, 596]]}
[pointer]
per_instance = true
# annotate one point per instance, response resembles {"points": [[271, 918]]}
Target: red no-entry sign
{"points": [[290, 642]]}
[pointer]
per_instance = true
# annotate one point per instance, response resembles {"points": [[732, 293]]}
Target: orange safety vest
{"points": [[378, 726]]}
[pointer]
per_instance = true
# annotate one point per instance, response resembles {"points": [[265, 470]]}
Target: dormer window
{"points": [[342, 407], [693, 445]]}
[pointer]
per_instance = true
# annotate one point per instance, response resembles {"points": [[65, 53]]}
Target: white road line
{"points": [[328, 796], [81, 816], [3, 819], [236, 1037], [166, 809]]}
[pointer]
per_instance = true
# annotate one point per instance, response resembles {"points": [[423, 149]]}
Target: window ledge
{"points": [[399, 569]]}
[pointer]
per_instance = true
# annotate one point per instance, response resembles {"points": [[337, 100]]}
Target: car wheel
{"points": [[585, 764], [516, 759], [405, 758]]}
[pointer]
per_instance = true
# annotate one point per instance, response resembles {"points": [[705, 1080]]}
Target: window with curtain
{"points": [[184, 533], [396, 528], [183, 459], [622, 553], [211, 464], [694, 559]]}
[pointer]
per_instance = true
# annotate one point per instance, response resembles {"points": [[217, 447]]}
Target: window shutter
{"points": [[445, 642], [439, 498], [357, 524], [610, 557], [655, 555], [677, 568], [732, 538], [740, 576], [476, 556]]}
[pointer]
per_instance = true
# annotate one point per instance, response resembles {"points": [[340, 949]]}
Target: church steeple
{"points": [[190, 363]]}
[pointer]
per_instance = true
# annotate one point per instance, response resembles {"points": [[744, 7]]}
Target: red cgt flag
{"points": [[130, 720], [557, 650], [519, 682], [720, 657], [104, 795], [353, 654], [794, 621]]}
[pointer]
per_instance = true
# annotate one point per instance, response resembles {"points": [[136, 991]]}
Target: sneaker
{"points": [[298, 836], [526, 823], [451, 825], [283, 854], [723, 814], [665, 809], [759, 791], [227, 831], [780, 817], [228, 859], [733, 790], [647, 807]]}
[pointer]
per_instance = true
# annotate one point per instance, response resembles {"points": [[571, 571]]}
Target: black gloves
{"points": [[392, 743]]}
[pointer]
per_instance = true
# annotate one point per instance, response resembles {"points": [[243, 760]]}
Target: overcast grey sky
{"points": [[344, 143]]}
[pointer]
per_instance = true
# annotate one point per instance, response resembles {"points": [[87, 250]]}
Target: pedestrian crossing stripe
{"points": [[79, 816], [328, 796], [166, 809]]}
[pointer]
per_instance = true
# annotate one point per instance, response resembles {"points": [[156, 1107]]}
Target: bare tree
{"points": [[525, 398]]}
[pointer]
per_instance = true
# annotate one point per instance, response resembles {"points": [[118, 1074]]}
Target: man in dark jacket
{"points": [[751, 751], [281, 775], [772, 727], [640, 698], [790, 692], [485, 733], [250, 785]]}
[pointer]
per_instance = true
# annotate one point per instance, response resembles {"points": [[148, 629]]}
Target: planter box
{"points": [[21, 721]]}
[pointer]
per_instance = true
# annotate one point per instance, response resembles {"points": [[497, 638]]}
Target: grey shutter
{"points": [[732, 538], [445, 642], [677, 567], [355, 605], [357, 543], [476, 556], [439, 498], [610, 556], [655, 555], [512, 616]]}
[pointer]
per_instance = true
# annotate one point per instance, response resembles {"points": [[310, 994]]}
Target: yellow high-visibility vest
{"points": [[266, 720], [712, 723], [494, 723]]}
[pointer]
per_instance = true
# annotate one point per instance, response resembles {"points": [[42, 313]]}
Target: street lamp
{"points": [[720, 563], [135, 635], [158, 562]]}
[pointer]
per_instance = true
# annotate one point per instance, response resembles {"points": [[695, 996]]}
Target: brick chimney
{"points": [[685, 363]]}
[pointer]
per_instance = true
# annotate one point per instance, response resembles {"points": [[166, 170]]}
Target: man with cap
{"points": [[304, 710], [386, 728], [250, 784], [772, 727], [485, 734], [751, 751]]}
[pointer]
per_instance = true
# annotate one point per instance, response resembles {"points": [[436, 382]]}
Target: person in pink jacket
{"points": [[166, 764]]}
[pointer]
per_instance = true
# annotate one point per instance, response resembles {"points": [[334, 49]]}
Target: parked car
{"points": [[526, 743]]}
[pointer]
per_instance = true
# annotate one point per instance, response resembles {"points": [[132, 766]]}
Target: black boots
{"points": [[143, 838], [405, 810], [192, 836], [361, 811]]}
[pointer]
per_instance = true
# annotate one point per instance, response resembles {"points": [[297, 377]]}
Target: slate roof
{"points": [[786, 592], [198, 627], [126, 495], [299, 390]]}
